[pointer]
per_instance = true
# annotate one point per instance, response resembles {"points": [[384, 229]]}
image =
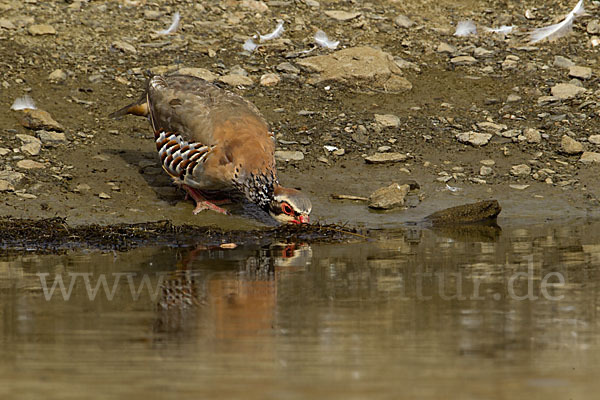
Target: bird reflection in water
{"points": [[227, 294]]}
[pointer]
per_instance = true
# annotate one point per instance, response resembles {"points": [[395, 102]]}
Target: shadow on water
{"points": [[481, 312]]}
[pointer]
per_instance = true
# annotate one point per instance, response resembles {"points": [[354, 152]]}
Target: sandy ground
{"points": [[107, 171]]}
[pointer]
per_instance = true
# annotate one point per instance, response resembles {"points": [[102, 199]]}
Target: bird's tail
{"points": [[139, 107]]}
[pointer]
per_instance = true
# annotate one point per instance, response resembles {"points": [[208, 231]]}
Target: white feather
{"points": [[23, 103], [465, 28], [273, 35], [557, 30], [249, 45], [173, 27], [323, 41], [503, 30]]}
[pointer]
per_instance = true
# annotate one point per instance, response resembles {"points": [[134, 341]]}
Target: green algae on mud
{"points": [[55, 235]]}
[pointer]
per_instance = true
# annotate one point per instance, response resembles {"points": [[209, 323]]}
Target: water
{"points": [[484, 314]]}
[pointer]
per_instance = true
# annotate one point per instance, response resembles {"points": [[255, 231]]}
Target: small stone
{"points": [[389, 197], [283, 155], [466, 213], [463, 60], [488, 163], [83, 187], [518, 187], [32, 148], [562, 62], [491, 127], [382, 158], [569, 145], [7, 24], [201, 73], [340, 15], [580, 72], [104, 196], [520, 170], [532, 135], [590, 157], [446, 48], [513, 98], [593, 139], [58, 75], [236, 80], [49, 138], [312, 3], [387, 120], [152, 14], [124, 47], [27, 196], [397, 84], [474, 138], [254, 5], [12, 177], [485, 171], [4, 151], [339, 152], [403, 21], [30, 164], [39, 119], [287, 67], [383, 149], [565, 91], [593, 26], [41, 29], [5, 186], [269, 80]]}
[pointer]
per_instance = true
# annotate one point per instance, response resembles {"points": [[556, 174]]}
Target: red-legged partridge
{"points": [[211, 139]]}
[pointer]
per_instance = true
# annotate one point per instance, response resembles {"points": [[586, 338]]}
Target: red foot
{"points": [[201, 202]]}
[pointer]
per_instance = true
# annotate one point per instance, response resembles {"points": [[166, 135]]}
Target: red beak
{"points": [[303, 219]]}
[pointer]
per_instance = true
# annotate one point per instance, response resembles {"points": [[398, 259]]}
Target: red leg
{"points": [[201, 202]]}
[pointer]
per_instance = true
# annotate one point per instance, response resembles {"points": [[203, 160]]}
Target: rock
{"points": [[7, 24], [4, 151], [383, 149], [39, 119], [339, 152], [27, 138], [30, 164], [382, 158], [389, 197], [569, 145], [355, 64], [104, 196], [387, 120], [32, 148], [283, 155], [518, 187], [269, 80], [532, 135], [480, 52], [254, 5], [201, 73], [403, 21], [397, 84], [484, 171], [124, 47], [5, 186], [594, 139], [593, 26], [562, 62], [58, 75], [474, 138], [466, 214], [446, 48], [152, 15], [513, 98], [580, 72], [463, 60], [491, 127], [340, 15], [488, 163], [312, 3], [520, 170], [12, 177], [41, 29], [236, 80], [51, 138], [287, 68], [590, 157], [565, 91]]}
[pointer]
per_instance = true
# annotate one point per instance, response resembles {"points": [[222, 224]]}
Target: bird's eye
{"points": [[287, 209]]}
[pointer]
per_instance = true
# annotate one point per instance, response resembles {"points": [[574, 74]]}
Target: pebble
{"points": [[201, 73], [488, 163], [594, 139], [484, 171], [563, 62], [382, 158], [236, 80], [569, 145], [403, 21], [269, 80], [474, 138], [41, 29], [32, 148], [513, 98], [283, 155], [287, 67], [11, 177], [50, 138], [7, 24], [340, 15], [520, 170], [593, 26], [532, 135], [39, 119], [4, 151], [58, 75], [387, 120], [580, 72], [590, 157], [30, 164], [124, 47], [491, 127], [389, 197], [565, 91], [518, 187], [104, 196], [5, 186], [383, 149], [446, 48], [463, 60]]}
